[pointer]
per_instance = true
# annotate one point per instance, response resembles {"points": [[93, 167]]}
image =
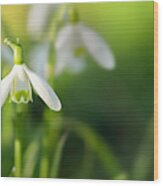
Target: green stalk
{"points": [[58, 156], [31, 154], [97, 145], [17, 143], [18, 157], [144, 156], [87, 165], [44, 164]]}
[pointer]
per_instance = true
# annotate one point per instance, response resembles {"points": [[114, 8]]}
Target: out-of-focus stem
{"points": [[44, 164], [97, 144], [57, 156]]}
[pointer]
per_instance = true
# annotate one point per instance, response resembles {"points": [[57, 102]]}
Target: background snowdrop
{"points": [[39, 57], [6, 55], [38, 18], [73, 40]]}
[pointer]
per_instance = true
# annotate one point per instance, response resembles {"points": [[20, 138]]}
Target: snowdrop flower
{"points": [[38, 18], [44, 18], [21, 79], [73, 40]]}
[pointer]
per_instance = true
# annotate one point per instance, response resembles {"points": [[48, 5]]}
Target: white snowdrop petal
{"points": [[19, 71], [63, 48], [76, 64], [39, 59], [7, 55], [64, 37], [61, 62], [97, 47], [43, 90], [66, 60], [63, 57], [6, 86], [21, 89], [38, 17], [67, 42], [68, 37]]}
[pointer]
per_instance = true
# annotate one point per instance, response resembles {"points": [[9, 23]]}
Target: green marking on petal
{"points": [[21, 90], [21, 96], [79, 51], [73, 15]]}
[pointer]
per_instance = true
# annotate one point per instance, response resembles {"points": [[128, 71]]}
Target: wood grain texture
{"points": [[155, 90]]}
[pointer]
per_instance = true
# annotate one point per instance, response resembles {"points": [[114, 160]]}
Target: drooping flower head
{"points": [[74, 39], [21, 79], [39, 17]]}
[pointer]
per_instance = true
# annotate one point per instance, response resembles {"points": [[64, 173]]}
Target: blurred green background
{"points": [[108, 114]]}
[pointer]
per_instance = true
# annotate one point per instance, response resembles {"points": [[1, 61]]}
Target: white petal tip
{"points": [[57, 108], [110, 65], [44, 90], [107, 64]]}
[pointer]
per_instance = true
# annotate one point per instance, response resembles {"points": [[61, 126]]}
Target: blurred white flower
{"points": [[38, 58], [73, 40], [6, 55], [38, 18]]}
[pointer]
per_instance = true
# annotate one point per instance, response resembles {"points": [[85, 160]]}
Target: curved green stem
{"points": [[44, 164], [103, 151], [57, 156], [17, 50], [143, 159]]}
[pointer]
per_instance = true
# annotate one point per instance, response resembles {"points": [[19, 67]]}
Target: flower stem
{"points": [[103, 150], [17, 156], [17, 144], [44, 164], [58, 156], [17, 51]]}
